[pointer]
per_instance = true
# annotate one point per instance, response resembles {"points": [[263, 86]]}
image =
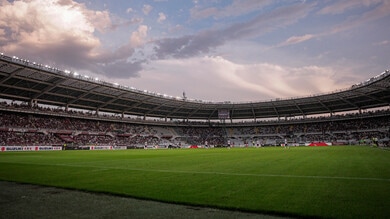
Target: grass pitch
{"points": [[335, 182]]}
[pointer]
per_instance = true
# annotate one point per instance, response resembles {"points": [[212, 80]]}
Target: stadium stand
{"points": [[43, 106], [35, 126]]}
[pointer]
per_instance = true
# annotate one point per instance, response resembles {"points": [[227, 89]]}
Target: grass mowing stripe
{"points": [[206, 172]]}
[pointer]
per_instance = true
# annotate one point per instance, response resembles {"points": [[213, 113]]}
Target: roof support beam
{"points": [[53, 85], [299, 108], [12, 74]]}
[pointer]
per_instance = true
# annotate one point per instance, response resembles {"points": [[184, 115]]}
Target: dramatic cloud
{"points": [[63, 34], [234, 81], [51, 25], [206, 41], [121, 69], [227, 50]]}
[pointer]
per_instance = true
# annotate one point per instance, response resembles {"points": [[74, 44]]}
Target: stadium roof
{"points": [[26, 81]]}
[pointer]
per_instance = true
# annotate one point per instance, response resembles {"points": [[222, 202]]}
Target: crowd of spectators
{"points": [[28, 129], [10, 138], [23, 128], [201, 135]]}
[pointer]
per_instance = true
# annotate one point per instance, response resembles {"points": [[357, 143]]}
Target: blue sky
{"points": [[216, 50]]}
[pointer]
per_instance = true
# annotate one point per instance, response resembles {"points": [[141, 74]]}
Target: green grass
{"points": [[335, 182]]}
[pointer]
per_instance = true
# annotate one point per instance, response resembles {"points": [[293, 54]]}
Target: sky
{"points": [[211, 50]]}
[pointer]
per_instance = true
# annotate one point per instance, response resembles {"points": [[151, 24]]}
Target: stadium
{"points": [[114, 115], [47, 109]]}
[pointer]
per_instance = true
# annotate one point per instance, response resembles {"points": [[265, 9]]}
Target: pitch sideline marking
{"points": [[216, 173], [257, 175]]}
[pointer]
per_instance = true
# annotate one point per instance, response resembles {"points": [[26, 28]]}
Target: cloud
{"points": [[237, 8], [2, 35], [129, 10], [187, 46], [276, 81], [297, 39], [197, 13], [122, 68], [50, 24], [68, 34], [63, 34], [339, 7], [382, 43], [146, 9], [380, 9], [214, 76], [161, 17], [207, 40], [138, 37]]}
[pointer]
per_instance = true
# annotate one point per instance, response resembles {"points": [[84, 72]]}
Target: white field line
{"points": [[210, 173]]}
